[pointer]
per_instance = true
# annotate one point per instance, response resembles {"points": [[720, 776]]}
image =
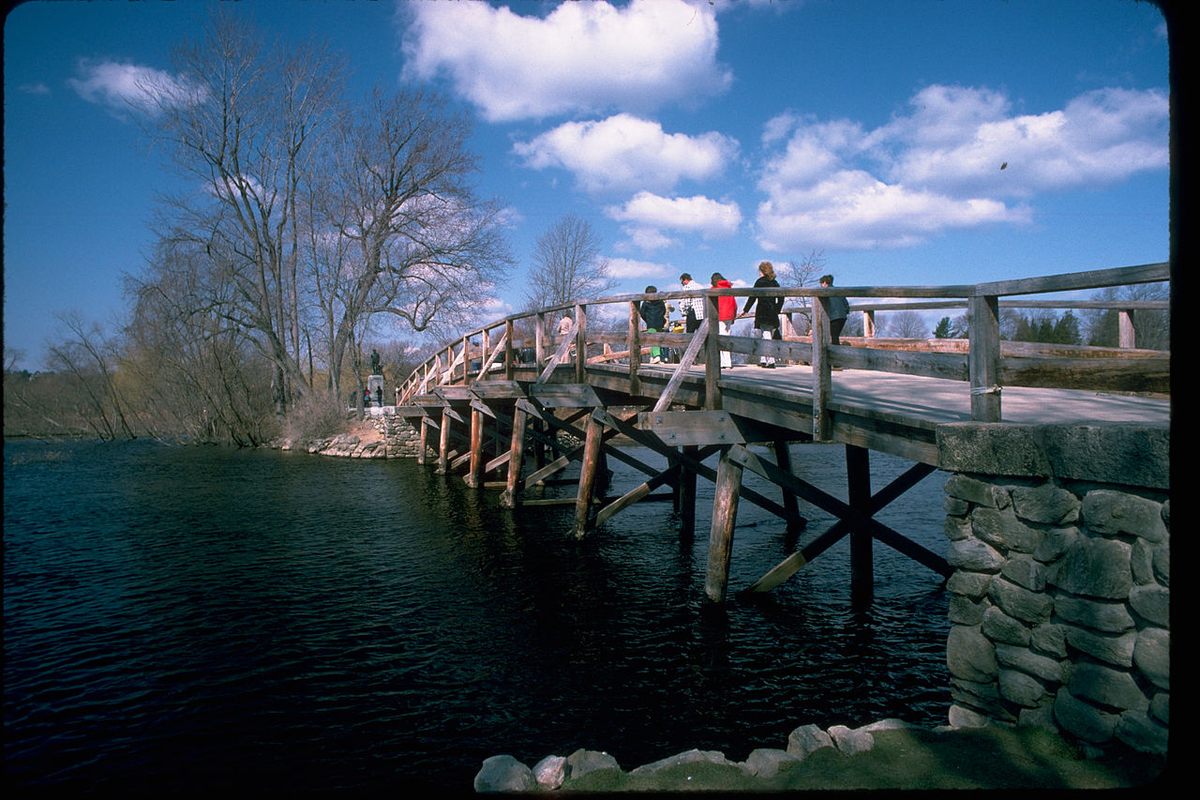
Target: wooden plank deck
{"points": [[885, 411]]}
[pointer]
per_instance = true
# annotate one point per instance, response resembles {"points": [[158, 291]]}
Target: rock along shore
{"points": [[890, 754]]}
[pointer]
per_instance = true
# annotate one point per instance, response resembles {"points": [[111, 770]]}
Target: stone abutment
{"points": [[1059, 537]]}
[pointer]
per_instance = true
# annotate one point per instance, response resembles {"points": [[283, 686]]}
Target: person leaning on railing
{"points": [[839, 309], [654, 314]]}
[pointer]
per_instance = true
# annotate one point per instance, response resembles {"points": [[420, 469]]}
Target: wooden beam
{"points": [[565, 395], [560, 353], [497, 390], [689, 460], [793, 563], [634, 495], [677, 428], [685, 364]]}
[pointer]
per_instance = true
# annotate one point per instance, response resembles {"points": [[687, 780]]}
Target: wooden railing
{"points": [[983, 361]]}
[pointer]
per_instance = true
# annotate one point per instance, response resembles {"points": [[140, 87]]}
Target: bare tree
{"points": [[1152, 329], [906, 325], [242, 122], [567, 265], [315, 213], [201, 371], [87, 355], [413, 241], [798, 274]]}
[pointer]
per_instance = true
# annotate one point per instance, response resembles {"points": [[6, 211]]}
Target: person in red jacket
{"points": [[726, 313]]}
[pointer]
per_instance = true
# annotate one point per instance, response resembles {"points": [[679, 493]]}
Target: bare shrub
{"points": [[318, 415]]}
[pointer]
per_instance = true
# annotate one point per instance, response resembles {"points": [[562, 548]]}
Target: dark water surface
{"points": [[205, 619]]}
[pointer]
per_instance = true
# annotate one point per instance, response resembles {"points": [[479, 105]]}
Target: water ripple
{"points": [[193, 618]]}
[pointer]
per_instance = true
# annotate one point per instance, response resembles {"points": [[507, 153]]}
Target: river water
{"points": [[206, 619]]}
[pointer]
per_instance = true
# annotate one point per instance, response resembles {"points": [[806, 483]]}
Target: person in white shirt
{"points": [[692, 307]]}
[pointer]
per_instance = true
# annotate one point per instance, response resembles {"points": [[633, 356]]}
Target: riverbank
{"points": [[884, 756]]}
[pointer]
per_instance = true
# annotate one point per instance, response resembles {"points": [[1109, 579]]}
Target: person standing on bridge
{"points": [[692, 307], [766, 315], [839, 309], [726, 313], [654, 314]]}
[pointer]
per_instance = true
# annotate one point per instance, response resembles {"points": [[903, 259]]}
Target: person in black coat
{"points": [[766, 314]]}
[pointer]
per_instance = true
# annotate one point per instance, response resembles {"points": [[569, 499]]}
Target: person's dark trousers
{"points": [[835, 330]]}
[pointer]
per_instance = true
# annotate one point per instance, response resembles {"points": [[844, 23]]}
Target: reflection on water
{"points": [[199, 618]]}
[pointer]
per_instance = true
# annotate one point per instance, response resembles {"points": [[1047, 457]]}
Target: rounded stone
{"points": [[504, 773]]}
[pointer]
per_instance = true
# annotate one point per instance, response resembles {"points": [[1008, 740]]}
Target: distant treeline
{"points": [[1092, 327]]}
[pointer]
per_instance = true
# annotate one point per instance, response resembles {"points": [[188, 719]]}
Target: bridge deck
{"points": [[885, 411]]}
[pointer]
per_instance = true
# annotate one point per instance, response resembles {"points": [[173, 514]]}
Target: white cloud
{"points": [[624, 152], [646, 238], [1100, 137], [853, 210], [627, 269], [647, 214], [946, 165], [129, 86], [581, 57]]}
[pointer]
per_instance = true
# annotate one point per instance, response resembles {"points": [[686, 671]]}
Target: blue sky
{"points": [[910, 142]]}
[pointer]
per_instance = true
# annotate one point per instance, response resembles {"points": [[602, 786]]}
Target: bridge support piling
{"points": [[783, 458], [587, 475], [687, 494], [516, 455], [720, 540], [475, 467], [443, 465], [858, 487], [423, 446]]}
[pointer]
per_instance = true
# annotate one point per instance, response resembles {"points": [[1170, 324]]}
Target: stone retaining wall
{"points": [[401, 434], [1060, 598]]}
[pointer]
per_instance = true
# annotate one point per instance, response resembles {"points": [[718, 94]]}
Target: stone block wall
{"points": [[401, 434], [1060, 596]]}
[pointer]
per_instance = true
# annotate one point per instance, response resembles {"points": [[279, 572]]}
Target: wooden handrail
{"points": [[982, 366]]}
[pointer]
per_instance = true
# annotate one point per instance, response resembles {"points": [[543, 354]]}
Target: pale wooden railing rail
{"points": [[520, 342]]}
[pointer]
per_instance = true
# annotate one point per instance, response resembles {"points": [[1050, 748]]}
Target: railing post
{"points": [[635, 347], [510, 352], [539, 341], [821, 383], [1126, 335], [983, 361], [580, 343], [712, 356]]}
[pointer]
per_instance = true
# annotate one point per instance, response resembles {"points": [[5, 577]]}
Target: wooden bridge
{"points": [[508, 390]]}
